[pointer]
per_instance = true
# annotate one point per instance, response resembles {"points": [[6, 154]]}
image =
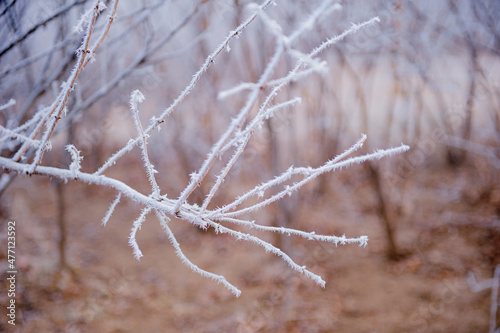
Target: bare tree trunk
{"points": [[470, 99], [382, 203], [63, 232], [383, 211], [284, 216], [329, 141]]}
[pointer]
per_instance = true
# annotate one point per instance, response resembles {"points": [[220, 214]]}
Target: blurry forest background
{"points": [[427, 75]]}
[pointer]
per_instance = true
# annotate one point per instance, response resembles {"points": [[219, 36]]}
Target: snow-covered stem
{"points": [[235, 124], [10, 103], [223, 174], [304, 61], [75, 165], [187, 90], [187, 212], [7, 134], [198, 177], [59, 105], [135, 98], [111, 18], [268, 247], [361, 240], [132, 241], [101, 180], [314, 67], [241, 146], [236, 89], [111, 209], [260, 189], [36, 123], [269, 113], [334, 40], [257, 122], [51, 115], [327, 167], [238, 235], [218, 278], [323, 10], [312, 173], [142, 57], [295, 72]]}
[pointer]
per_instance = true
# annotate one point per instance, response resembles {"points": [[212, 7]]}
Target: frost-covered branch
{"points": [[137, 225], [135, 98], [8, 104], [52, 114], [76, 159], [142, 57], [494, 285], [33, 136], [308, 173], [236, 123], [187, 90], [111, 209], [218, 278]]}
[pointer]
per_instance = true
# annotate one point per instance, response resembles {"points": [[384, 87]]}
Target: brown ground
{"points": [[426, 291]]}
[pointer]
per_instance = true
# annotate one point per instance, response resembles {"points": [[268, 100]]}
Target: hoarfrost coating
{"points": [[33, 141]]}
